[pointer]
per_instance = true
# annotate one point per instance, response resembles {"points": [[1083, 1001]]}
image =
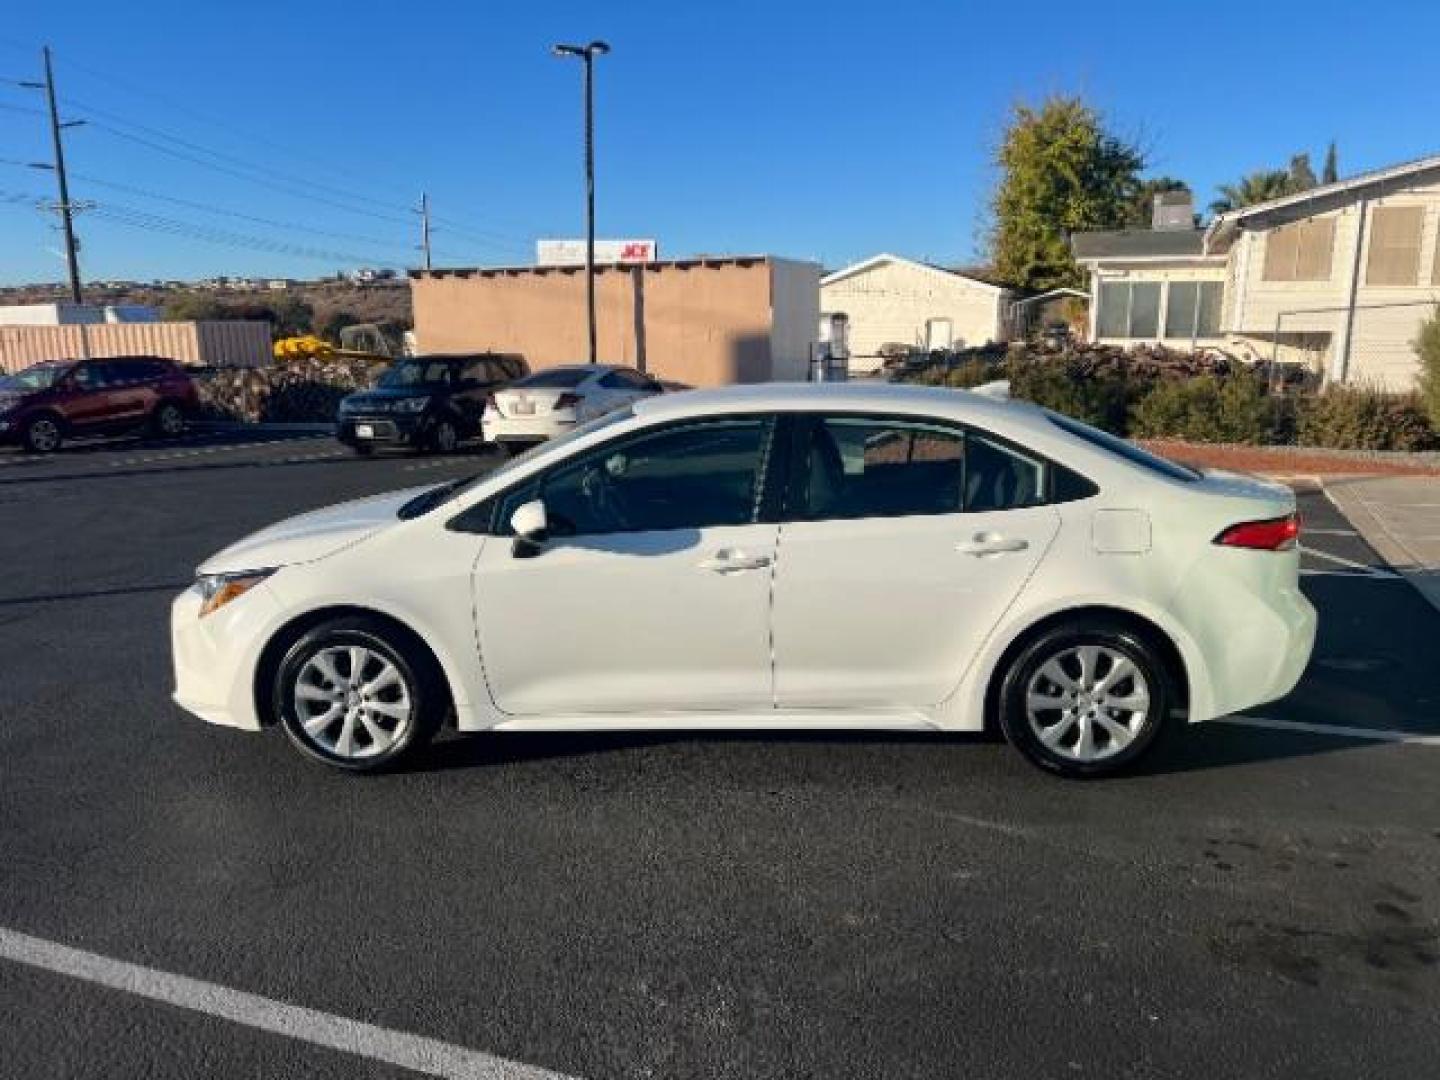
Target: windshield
{"points": [[565, 378], [39, 377], [1121, 448], [438, 496], [405, 374]]}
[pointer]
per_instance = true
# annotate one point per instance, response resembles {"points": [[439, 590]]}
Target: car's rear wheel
{"points": [[444, 437], [363, 449], [514, 449], [357, 694], [42, 435], [1086, 700], [169, 420]]}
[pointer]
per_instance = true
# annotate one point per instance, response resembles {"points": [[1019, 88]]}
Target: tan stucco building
{"points": [[703, 322]]}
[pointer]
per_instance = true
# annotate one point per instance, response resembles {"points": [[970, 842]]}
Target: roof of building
{"points": [[885, 257], [706, 261], [1226, 223], [1138, 244]]}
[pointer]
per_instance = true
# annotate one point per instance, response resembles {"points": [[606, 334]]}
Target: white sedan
{"points": [[775, 557], [553, 401]]}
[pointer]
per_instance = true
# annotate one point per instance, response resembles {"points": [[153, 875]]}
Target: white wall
{"points": [[892, 302], [795, 317]]}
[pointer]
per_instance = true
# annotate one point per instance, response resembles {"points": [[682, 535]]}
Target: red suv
{"points": [[45, 404]]}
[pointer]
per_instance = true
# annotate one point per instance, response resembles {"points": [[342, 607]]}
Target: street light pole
{"points": [[587, 53]]}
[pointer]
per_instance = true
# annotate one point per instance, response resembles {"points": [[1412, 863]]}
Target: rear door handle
{"points": [[729, 562], [991, 544]]}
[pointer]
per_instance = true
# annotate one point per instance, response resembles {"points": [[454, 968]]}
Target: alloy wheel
{"points": [[446, 437], [44, 435], [1087, 703], [352, 701], [171, 420]]}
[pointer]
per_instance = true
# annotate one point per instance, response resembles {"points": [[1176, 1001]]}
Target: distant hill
{"points": [[330, 304]]}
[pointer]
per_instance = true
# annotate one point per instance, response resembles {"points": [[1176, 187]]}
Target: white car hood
{"points": [[311, 536]]}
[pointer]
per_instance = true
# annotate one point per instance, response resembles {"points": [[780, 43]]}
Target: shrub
{"points": [[1427, 347], [1100, 399], [1364, 418], [1208, 409]]}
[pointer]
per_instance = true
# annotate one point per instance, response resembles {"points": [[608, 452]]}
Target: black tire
{"points": [[423, 682], [42, 434], [514, 449], [168, 420], [1063, 755], [444, 437], [362, 449]]}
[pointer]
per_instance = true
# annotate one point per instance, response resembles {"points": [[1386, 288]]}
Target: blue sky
{"points": [[826, 131]]}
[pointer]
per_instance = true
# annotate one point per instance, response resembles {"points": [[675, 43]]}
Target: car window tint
{"points": [[556, 378], [860, 468], [693, 477], [624, 379], [92, 376], [476, 372], [1000, 478]]}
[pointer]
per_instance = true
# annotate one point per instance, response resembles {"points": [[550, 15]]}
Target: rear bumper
{"points": [[527, 429]]}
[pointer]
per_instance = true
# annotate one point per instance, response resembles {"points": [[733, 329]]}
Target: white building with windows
{"points": [[1339, 277], [888, 300]]}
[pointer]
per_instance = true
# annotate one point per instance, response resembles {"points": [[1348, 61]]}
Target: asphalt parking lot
{"points": [[1264, 901]]}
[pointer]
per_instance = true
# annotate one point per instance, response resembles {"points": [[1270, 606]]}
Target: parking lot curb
{"points": [[1346, 496]]}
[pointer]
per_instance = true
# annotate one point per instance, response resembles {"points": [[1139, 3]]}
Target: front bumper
{"points": [[407, 428], [215, 657]]}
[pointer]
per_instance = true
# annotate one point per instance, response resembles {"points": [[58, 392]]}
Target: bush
{"points": [[1208, 409], [1102, 400], [1363, 418], [1427, 347]]}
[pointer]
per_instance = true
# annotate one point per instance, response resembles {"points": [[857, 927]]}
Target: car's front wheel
{"points": [[42, 435], [444, 437], [1086, 700], [357, 694]]}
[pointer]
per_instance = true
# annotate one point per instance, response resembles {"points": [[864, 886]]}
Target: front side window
{"points": [[405, 374], [691, 477], [859, 467]]}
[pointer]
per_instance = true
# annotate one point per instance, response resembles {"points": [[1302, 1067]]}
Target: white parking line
{"points": [[1375, 734], [1359, 568], [415, 1052]]}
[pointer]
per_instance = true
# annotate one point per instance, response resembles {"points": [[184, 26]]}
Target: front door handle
{"points": [[991, 544], [728, 561]]}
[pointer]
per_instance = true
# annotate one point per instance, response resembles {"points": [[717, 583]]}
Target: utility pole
{"points": [[424, 213], [587, 53], [66, 208]]}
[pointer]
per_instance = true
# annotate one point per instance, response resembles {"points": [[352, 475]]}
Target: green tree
{"points": [[1427, 347], [1255, 188], [1061, 171], [1301, 175], [1331, 170], [1139, 212]]}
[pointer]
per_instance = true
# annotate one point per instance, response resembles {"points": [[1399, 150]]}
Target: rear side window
{"points": [[1120, 448], [859, 467]]}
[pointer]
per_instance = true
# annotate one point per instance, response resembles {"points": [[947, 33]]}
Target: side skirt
{"points": [[791, 720]]}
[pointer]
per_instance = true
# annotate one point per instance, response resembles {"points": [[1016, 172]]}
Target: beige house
{"points": [[1339, 277], [703, 322], [890, 300]]}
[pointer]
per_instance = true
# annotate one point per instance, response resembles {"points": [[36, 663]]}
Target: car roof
{"points": [[850, 396]]}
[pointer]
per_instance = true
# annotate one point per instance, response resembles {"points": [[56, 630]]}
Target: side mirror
{"points": [[531, 529]]}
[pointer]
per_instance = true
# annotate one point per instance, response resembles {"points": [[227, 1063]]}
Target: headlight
{"points": [[411, 404], [217, 590]]}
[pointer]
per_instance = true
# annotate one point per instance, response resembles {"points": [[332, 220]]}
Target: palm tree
{"points": [[1256, 188]]}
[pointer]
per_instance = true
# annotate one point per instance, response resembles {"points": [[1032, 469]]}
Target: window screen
{"points": [[1212, 299], [1193, 309], [1300, 252], [1394, 245], [1129, 310]]}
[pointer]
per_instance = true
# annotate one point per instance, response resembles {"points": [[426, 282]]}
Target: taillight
{"points": [[567, 400], [491, 405], [1273, 534]]}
